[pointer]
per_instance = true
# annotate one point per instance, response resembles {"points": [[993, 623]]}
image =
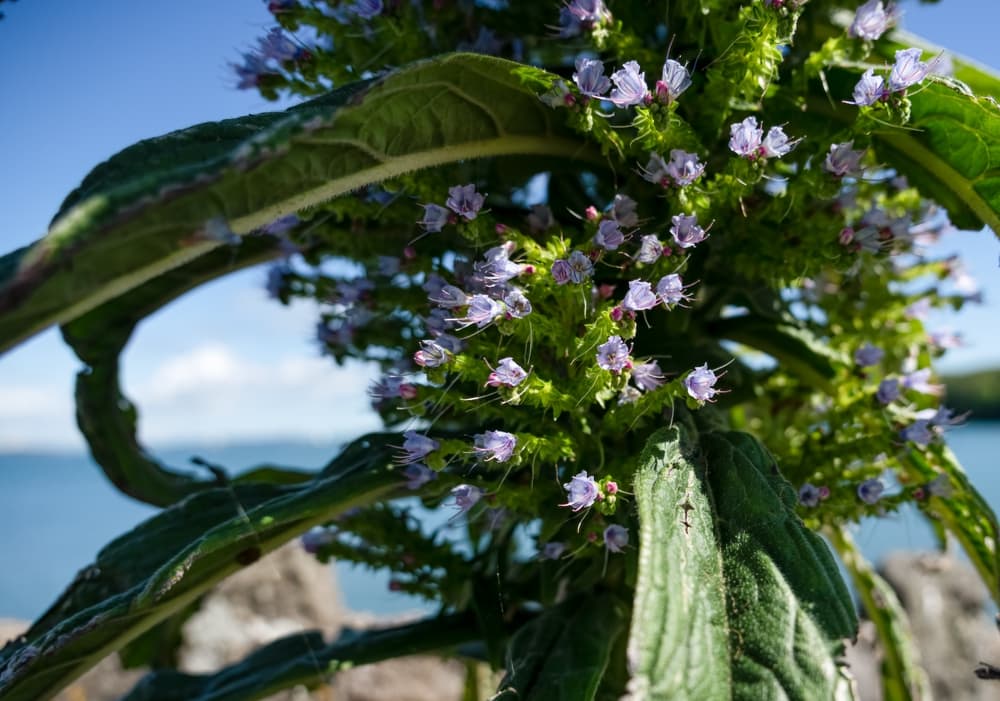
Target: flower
{"points": [[392, 386], [940, 486], [673, 81], [464, 201], [776, 144], [650, 249], [557, 96], [561, 271], [275, 45], [615, 538], [316, 538], [580, 267], [581, 491], [448, 297], [613, 354], [506, 374], [700, 383], [684, 168], [579, 15], [888, 390], [609, 236], [868, 355], [552, 550], [872, 20], [630, 86], [495, 445], [518, 305], [686, 231], [670, 290], [416, 447], [435, 217], [365, 9], [869, 89], [647, 376], [870, 491], [590, 78], [623, 211], [639, 297], [628, 395], [417, 475], [809, 495], [466, 496], [908, 70], [431, 355], [919, 381], [843, 160], [919, 432], [745, 138], [482, 311]]}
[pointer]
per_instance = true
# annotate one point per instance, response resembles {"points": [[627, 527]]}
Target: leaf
{"points": [[735, 597], [156, 205], [902, 676], [562, 654], [173, 558], [303, 658]]}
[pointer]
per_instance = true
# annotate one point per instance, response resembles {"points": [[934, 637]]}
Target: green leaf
{"points": [[735, 598], [305, 659], [902, 676], [173, 558], [152, 207], [562, 654]]}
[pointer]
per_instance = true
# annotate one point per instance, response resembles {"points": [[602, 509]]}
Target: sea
{"points": [[58, 510]]}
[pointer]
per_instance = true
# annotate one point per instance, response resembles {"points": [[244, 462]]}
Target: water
{"points": [[57, 511]]}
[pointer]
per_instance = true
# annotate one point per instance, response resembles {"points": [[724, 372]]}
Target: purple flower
{"points": [[464, 201], [416, 447], [507, 374], [888, 391], [431, 355], [640, 296], [919, 381], [870, 491], [365, 9], [918, 309], [417, 475], [609, 236], [466, 496], [392, 386], [745, 138], [650, 249], [919, 432], [581, 15], [581, 491], [482, 311], [869, 90], [438, 321], [580, 267], [868, 355], [809, 495], [495, 445], [684, 168], [449, 297], [656, 170], [945, 417], [249, 74], [561, 271], [518, 305], [843, 160], [316, 538], [673, 81], [615, 538], [623, 211], [275, 45], [450, 343], [613, 354], [276, 280], [700, 383], [435, 217], [552, 550], [630, 86], [647, 376], [945, 339], [871, 20], [590, 78], [670, 289], [908, 70], [686, 231], [776, 144]]}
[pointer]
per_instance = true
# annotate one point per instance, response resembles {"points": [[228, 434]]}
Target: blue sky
{"points": [[82, 80]]}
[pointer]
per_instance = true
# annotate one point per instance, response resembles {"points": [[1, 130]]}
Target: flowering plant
{"points": [[594, 300]]}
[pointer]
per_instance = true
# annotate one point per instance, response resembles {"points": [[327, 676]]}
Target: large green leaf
{"points": [[173, 558], [304, 659], [735, 598], [562, 655], [158, 204]]}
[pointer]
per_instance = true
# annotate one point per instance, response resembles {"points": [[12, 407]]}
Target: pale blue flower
{"points": [[518, 305], [686, 231], [466, 496], [464, 201], [843, 160], [920, 381], [580, 267], [495, 445], [650, 249], [552, 550], [609, 236], [869, 89], [507, 373], [623, 211], [908, 70], [745, 138], [630, 86], [809, 495], [615, 538], [870, 491], [417, 475], [673, 81], [613, 354], [872, 20], [590, 78], [776, 144], [416, 446], [684, 168], [919, 432], [581, 491], [700, 383], [868, 355], [640, 296], [482, 311], [888, 391], [449, 297], [317, 538], [656, 170], [435, 217], [431, 355], [647, 376], [561, 271], [671, 290]]}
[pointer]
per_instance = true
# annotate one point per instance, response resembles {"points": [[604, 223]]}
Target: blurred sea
{"points": [[57, 511]]}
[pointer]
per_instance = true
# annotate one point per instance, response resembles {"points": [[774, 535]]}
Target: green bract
{"points": [[591, 321]]}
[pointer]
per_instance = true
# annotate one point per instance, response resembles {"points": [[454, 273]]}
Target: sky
{"points": [[81, 80]]}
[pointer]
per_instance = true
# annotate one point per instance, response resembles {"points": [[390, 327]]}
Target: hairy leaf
{"points": [[168, 561], [169, 200], [736, 598]]}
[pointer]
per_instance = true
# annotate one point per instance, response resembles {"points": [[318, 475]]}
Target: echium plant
{"points": [[647, 285]]}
